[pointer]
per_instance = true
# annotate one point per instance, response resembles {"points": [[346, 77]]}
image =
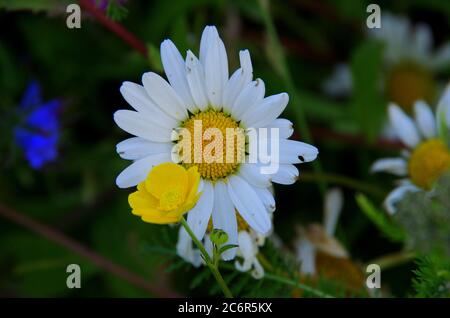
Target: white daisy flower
{"points": [[412, 43], [320, 238], [409, 63], [427, 156], [200, 89]]}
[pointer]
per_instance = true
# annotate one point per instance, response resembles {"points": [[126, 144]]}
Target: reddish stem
{"points": [[322, 133], [74, 246], [115, 27]]}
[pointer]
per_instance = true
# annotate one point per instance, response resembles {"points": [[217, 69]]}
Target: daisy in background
{"points": [[427, 156], [410, 64], [321, 238], [201, 90], [320, 253]]}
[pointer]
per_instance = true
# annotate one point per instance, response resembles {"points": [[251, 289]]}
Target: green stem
{"points": [[394, 259], [344, 181], [286, 281], [281, 66], [212, 264], [297, 284], [226, 291], [281, 279]]}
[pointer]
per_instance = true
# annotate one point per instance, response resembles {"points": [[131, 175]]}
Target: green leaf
{"points": [[116, 11], [320, 108], [154, 58], [200, 278], [380, 219], [225, 248], [368, 105], [441, 117], [33, 5], [175, 265], [432, 277]]}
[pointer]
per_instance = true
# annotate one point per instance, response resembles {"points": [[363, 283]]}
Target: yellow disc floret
{"points": [[407, 83], [168, 192], [428, 162], [215, 144]]}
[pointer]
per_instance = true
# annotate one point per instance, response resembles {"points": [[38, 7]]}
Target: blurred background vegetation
{"points": [[76, 194]]}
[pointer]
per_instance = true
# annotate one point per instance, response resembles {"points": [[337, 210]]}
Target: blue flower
{"points": [[38, 133]]}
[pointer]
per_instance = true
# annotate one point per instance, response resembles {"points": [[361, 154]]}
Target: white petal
{"points": [[306, 254], [249, 205], [286, 174], [266, 198], [404, 126], [425, 119], [396, 195], [251, 172], [142, 126], [442, 57], [138, 170], [243, 266], [138, 98], [285, 127], [175, 69], [215, 66], [164, 95], [137, 148], [246, 245], [443, 113], [246, 251], [199, 216], [267, 111], [395, 166], [340, 82], [208, 246], [396, 35], [196, 81], [185, 249], [238, 80], [250, 97], [224, 217], [246, 65], [334, 200], [423, 39], [258, 270], [204, 42], [292, 151]]}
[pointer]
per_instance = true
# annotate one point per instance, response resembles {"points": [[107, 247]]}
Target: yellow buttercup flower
{"points": [[166, 194]]}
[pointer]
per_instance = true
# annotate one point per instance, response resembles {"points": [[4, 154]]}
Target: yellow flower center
{"points": [[215, 144], [242, 225], [171, 198], [428, 162], [407, 83]]}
